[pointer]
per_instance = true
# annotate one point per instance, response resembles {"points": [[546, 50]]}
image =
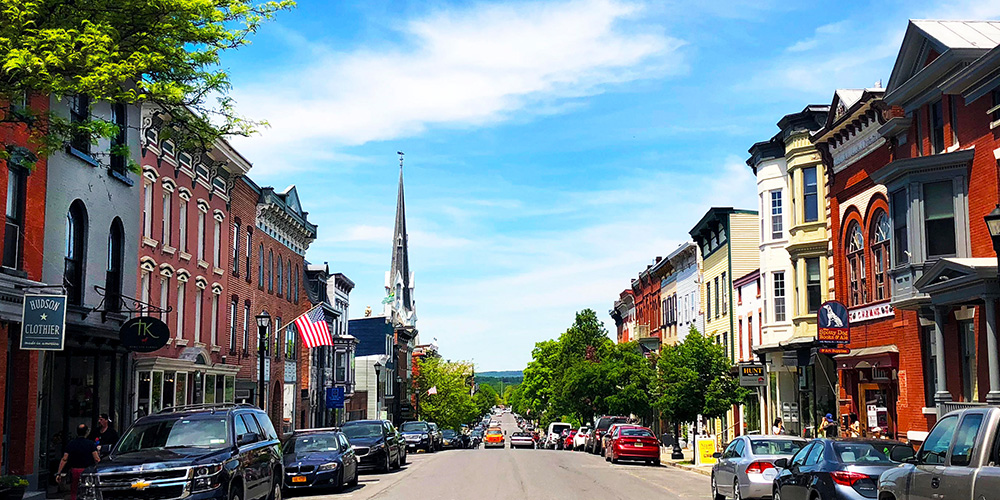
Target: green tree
{"points": [[452, 404], [165, 52], [694, 378], [486, 398]]}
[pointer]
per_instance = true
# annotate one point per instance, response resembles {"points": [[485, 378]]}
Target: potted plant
{"points": [[12, 487]]}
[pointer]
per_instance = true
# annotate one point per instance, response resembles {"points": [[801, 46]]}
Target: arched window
{"points": [[288, 288], [76, 236], [296, 296], [260, 267], [881, 233], [856, 264], [116, 254], [280, 280], [270, 270]]}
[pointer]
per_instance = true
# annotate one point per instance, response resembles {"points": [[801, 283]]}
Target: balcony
{"points": [[642, 332]]}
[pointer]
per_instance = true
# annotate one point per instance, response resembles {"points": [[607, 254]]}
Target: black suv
{"points": [[376, 443], [418, 435], [193, 452], [594, 444]]}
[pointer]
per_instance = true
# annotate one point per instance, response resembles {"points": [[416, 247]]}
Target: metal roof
{"points": [[961, 34]]}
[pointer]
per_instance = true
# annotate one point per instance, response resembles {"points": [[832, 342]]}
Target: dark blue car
{"points": [[835, 469], [376, 444], [319, 458]]}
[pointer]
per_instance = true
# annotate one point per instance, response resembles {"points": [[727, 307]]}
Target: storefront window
{"points": [[209, 388], [967, 338], [230, 389], [930, 365], [142, 404], [169, 381], [180, 394]]}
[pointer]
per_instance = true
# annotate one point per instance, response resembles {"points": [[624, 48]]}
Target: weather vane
{"points": [[400, 153]]}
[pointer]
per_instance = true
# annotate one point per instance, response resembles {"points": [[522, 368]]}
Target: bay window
{"points": [[939, 218], [900, 241], [810, 195], [814, 292]]}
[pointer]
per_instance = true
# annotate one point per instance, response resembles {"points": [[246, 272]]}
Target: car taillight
{"points": [[759, 467], [847, 478]]}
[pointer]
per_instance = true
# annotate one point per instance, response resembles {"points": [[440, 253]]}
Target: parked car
{"points": [[418, 435], [834, 469], [494, 438], [567, 443], [200, 452], [318, 458], [375, 444], [436, 435], [402, 445], [554, 433], [956, 460], [476, 437], [633, 443], [606, 438], [581, 438], [746, 468], [601, 426], [450, 439], [521, 440]]}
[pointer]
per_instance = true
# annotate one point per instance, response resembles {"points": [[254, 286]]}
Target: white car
{"points": [[554, 434], [580, 438]]}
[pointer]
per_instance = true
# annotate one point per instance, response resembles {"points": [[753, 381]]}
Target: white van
{"points": [[555, 433]]}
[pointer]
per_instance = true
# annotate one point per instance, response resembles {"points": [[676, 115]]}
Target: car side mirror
{"points": [[781, 463], [903, 454], [716, 455], [247, 438]]}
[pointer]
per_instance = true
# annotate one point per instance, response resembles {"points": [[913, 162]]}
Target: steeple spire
{"points": [[399, 270]]}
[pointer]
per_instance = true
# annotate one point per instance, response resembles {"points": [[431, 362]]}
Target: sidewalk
{"points": [[687, 463]]}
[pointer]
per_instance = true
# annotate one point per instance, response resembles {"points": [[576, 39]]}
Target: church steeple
{"points": [[398, 283]]}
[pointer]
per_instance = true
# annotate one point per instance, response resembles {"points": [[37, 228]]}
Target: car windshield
{"points": [[448, 433], [363, 431], [558, 429], [414, 427], [179, 433], [477, 433], [313, 442], [863, 453], [494, 432], [606, 422], [520, 434], [636, 433], [776, 446]]}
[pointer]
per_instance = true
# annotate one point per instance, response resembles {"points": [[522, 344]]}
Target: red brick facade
{"points": [[18, 421]]}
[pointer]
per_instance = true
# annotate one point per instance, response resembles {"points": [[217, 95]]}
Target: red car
{"points": [[633, 443], [568, 440]]}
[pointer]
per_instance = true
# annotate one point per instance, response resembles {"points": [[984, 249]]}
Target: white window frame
{"points": [[180, 308], [199, 298]]}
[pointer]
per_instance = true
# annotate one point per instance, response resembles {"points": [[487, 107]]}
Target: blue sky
{"points": [[553, 149]]}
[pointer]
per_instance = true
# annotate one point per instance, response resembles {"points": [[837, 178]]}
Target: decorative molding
{"points": [[219, 215], [183, 275], [201, 282], [150, 172], [184, 193], [216, 288], [146, 263], [168, 184], [203, 205], [166, 270]]}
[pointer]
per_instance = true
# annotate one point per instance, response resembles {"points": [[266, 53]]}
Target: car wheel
{"points": [[656, 462], [614, 459], [715, 491], [354, 480], [395, 464], [235, 494], [387, 466], [275, 487], [403, 462], [776, 495], [338, 485], [736, 490]]}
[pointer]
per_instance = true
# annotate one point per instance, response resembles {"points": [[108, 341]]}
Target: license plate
{"points": [[298, 479], [638, 445]]}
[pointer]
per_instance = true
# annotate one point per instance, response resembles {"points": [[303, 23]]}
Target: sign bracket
{"points": [[125, 305]]}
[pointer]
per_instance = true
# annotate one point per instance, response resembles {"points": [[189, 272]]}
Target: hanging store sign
{"points": [[753, 375], [43, 322], [144, 334], [834, 325]]}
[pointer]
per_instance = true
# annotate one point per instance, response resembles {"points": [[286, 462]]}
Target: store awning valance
{"points": [[885, 356]]}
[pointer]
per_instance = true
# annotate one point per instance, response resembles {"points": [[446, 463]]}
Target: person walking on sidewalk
{"points": [[80, 453], [104, 435]]}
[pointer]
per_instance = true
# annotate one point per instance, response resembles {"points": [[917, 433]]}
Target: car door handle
{"points": [[935, 482]]}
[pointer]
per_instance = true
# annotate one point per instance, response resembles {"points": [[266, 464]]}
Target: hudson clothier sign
{"points": [[43, 322]]}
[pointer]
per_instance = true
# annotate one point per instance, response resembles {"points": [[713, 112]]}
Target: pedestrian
{"points": [[80, 453], [877, 433], [829, 425], [104, 435], [855, 429], [778, 428]]}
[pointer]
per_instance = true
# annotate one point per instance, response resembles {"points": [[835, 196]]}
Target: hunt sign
{"points": [[753, 375]]}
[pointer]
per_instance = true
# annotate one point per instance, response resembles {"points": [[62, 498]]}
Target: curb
{"points": [[689, 468]]}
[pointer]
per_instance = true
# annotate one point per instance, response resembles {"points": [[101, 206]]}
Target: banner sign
{"points": [[834, 350], [43, 322], [834, 325], [871, 312], [144, 334], [753, 376]]}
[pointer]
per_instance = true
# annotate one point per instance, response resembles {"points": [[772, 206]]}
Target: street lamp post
{"points": [[378, 380], [263, 323], [993, 223]]}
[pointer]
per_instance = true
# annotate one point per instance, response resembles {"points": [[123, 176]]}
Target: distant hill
{"points": [[507, 374]]}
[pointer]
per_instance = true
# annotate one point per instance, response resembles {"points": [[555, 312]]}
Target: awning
{"points": [[884, 356]]}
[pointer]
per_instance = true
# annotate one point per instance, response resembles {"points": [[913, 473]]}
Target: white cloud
{"points": [[464, 67]]}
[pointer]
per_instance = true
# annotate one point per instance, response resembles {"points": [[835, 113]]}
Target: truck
{"points": [[958, 460]]}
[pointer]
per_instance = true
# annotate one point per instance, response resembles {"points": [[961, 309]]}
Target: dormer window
{"points": [[185, 160], [167, 148]]}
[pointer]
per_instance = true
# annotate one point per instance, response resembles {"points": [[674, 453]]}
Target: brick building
{"points": [[648, 304], [873, 376], [23, 192], [184, 268], [941, 180], [268, 274]]}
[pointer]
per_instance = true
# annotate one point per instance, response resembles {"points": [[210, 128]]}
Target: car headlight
{"points": [[207, 470], [206, 477], [424, 436], [377, 446], [329, 466], [88, 480]]}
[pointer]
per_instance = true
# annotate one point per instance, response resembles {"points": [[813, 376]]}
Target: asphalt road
{"points": [[496, 474]]}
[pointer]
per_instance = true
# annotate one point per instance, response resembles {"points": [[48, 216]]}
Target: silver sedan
{"points": [[746, 468]]}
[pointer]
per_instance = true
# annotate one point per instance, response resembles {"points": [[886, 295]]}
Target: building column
{"points": [[993, 397], [942, 395]]}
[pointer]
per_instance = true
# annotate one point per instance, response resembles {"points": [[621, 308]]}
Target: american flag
{"points": [[312, 327]]}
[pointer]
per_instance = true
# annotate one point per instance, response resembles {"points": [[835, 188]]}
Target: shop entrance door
{"points": [[874, 409]]}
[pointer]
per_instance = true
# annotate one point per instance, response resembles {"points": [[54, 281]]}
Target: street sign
{"points": [[334, 397], [834, 350], [43, 321], [834, 326], [144, 334], [753, 375]]}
